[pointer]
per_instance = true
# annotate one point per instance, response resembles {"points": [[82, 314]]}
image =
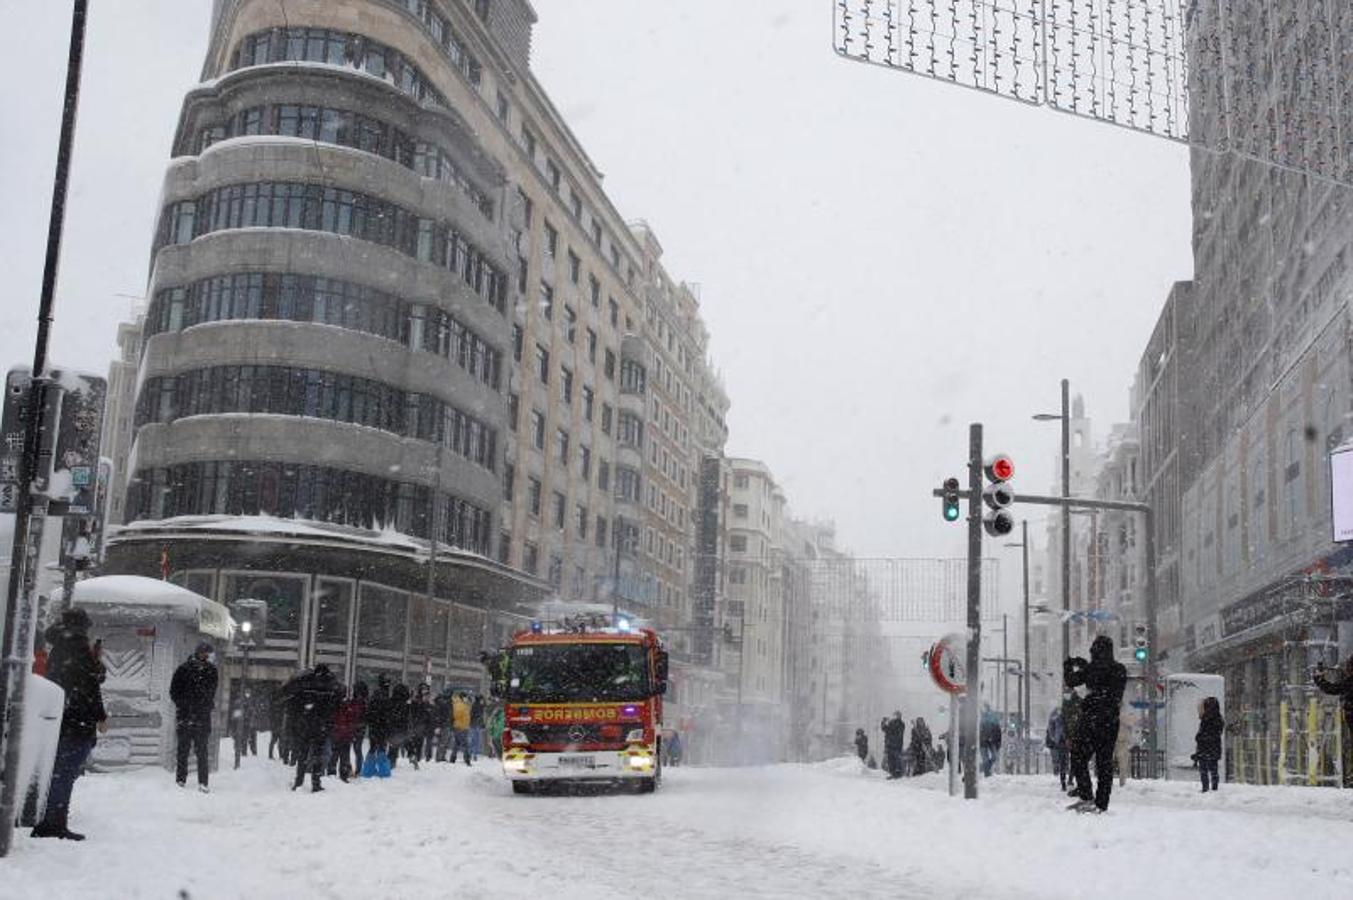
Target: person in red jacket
{"points": [[348, 724]]}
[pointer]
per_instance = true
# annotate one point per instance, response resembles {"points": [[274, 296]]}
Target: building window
{"points": [[509, 482], [546, 300], [614, 311], [560, 507], [513, 409], [603, 475], [591, 346], [594, 288], [556, 575], [533, 496], [583, 519], [542, 364], [530, 558], [737, 543], [528, 143], [574, 267], [503, 107], [601, 531], [517, 336], [739, 510], [606, 414], [551, 240], [586, 465], [561, 445], [538, 429], [570, 324], [608, 367], [740, 481], [552, 174], [566, 384]]}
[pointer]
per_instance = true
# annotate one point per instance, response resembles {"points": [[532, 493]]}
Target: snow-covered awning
{"points": [[138, 599]]}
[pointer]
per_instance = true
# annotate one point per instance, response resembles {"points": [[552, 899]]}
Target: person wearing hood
{"points": [[861, 744], [1104, 679], [921, 750], [894, 734], [74, 665], [193, 690], [1207, 742], [312, 702]]}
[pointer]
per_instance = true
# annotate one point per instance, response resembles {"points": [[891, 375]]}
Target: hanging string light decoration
{"points": [[1266, 80]]}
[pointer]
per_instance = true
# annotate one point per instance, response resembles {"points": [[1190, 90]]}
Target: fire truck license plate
{"points": [[577, 762]]}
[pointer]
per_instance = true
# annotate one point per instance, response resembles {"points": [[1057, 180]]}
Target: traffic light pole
{"points": [[16, 654], [974, 495], [973, 664]]}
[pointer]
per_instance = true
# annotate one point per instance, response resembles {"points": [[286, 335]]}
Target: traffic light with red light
{"points": [[999, 495]]}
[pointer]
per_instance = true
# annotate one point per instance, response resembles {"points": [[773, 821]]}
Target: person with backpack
{"points": [[193, 690], [74, 665]]}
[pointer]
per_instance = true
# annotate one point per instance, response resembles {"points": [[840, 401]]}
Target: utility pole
{"points": [[18, 645], [1028, 703], [974, 661], [1066, 518]]}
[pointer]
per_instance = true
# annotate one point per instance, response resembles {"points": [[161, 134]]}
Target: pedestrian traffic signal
{"points": [[999, 495], [1141, 650], [950, 500]]}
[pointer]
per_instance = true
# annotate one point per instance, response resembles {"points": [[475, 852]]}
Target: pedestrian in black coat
{"points": [[193, 690], [894, 733], [1208, 741], [1097, 730], [420, 725], [73, 664], [397, 719], [921, 750], [1340, 686], [861, 744], [312, 701], [378, 712]]}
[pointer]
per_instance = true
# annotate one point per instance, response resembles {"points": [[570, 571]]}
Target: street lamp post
{"points": [[1028, 699], [1065, 419]]}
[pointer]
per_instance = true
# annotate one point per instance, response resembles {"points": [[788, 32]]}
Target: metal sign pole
{"points": [[974, 663], [15, 655]]}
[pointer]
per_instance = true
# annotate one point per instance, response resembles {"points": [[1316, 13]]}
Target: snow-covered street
{"points": [[828, 830]]}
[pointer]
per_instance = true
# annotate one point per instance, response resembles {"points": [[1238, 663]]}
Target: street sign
{"points": [[946, 664]]}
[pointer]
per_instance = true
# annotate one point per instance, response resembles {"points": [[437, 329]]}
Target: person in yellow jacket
{"points": [[460, 725]]}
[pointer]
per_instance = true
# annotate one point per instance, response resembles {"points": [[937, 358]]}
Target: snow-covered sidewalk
{"points": [[829, 830]]}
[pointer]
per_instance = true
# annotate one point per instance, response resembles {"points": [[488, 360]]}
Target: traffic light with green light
{"points": [[1141, 650], [951, 509]]}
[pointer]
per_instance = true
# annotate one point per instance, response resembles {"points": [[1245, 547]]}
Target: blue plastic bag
{"points": [[376, 765]]}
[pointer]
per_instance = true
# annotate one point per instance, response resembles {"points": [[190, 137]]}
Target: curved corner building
{"points": [[324, 387], [392, 308]]}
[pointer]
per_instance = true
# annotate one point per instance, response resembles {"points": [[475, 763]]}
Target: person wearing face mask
{"points": [[193, 690]]}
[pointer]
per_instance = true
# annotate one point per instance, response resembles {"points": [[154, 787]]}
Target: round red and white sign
{"points": [[947, 664]]}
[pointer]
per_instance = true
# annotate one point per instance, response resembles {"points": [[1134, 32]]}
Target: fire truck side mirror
{"points": [[661, 686]]}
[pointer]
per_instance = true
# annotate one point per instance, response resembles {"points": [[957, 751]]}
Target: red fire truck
{"points": [[582, 703]]}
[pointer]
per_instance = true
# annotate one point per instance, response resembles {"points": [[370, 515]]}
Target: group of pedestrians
{"points": [[321, 727], [899, 758]]}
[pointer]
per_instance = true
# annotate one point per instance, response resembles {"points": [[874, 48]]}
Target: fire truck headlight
{"points": [[636, 736], [515, 764], [517, 737], [641, 761]]}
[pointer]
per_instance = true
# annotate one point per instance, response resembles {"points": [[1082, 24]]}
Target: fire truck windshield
{"points": [[584, 672]]}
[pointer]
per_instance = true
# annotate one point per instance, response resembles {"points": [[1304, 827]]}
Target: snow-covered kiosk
{"points": [[148, 628]]}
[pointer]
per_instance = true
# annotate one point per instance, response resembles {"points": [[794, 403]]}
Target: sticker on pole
{"points": [[945, 663]]}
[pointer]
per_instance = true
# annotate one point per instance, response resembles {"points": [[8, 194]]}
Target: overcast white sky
{"points": [[883, 258]]}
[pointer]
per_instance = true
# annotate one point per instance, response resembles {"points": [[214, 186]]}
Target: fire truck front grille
{"points": [[571, 735]]}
